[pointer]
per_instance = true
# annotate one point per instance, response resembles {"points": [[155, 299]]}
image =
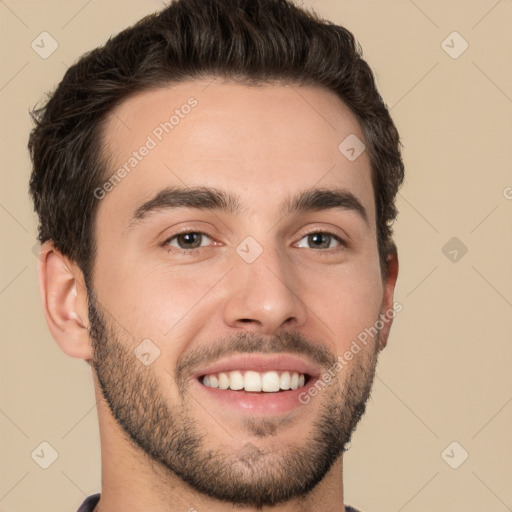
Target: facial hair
{"points": [[179, 443]]}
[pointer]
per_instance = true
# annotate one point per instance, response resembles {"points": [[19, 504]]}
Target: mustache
{"points": [[289, 341]]}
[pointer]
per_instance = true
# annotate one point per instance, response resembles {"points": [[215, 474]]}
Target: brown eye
{"points": [[187, 241]]}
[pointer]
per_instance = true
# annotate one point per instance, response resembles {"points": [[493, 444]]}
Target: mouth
{"points": [[257, 382]]}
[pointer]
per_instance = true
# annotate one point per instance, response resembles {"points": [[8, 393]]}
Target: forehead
{"points": [[263, 141]]}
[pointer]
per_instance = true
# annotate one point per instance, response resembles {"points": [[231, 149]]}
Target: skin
{"points": [[262, 144]]}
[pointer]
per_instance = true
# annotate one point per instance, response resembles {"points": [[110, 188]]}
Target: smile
{"points": [[256, 382], [264, 382]]}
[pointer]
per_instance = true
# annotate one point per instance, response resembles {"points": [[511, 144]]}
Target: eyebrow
{"points": [[210, 198]]}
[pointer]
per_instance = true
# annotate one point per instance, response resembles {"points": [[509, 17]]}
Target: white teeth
{"points": [[268, 382], [236, 380], [223, 381], [285, 380], [252, 381], [294, 382]]}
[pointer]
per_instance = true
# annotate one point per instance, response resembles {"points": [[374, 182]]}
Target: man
{"points": [[216, 188]]}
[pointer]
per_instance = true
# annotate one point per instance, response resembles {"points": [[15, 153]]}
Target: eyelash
{"points": [[186, 252], [193, 251]]}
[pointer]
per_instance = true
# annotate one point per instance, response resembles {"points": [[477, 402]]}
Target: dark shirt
{"points": [[89, 504]]}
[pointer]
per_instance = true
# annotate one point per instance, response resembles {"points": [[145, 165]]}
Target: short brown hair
{"points": [[250, 41]]}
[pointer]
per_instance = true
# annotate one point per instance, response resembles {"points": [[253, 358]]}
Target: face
{"points": [[237, 263]]}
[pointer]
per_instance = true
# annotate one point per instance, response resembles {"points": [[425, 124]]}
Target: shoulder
{"points": [[90, 502]]}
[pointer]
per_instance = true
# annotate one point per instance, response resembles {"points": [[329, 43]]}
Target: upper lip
{"points": [[261, 363]]}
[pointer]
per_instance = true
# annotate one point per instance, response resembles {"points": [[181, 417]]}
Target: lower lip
{"points": [[258, 402]]}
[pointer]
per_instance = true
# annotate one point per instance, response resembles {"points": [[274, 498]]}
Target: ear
{"points": [[65, 303], [388, 308]]}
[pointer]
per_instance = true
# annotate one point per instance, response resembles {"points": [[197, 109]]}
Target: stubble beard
{"points": [[253, 475]]}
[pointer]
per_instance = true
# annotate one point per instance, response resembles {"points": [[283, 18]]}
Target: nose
{"points": [[264, 296]]}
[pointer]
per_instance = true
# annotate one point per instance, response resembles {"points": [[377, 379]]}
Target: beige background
{"points": [[445, 375]]}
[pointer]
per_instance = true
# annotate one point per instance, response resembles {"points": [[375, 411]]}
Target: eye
{"points": [[190, 241], [321, 240], [187, 241]]}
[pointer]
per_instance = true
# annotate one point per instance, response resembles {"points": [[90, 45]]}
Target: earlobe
{"points": [[388, 311], [64, 298]]}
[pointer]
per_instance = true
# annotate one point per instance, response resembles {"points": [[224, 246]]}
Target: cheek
{"points": [[164, 302], [348, 303]]}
